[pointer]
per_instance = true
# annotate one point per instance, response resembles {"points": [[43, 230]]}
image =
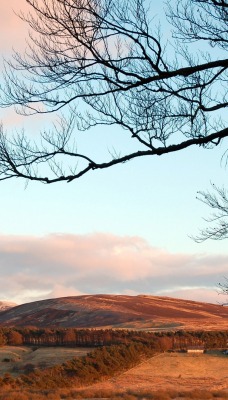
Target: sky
{"points": [[124, 230]]}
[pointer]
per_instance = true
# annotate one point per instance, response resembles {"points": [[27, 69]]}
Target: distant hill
{"points": [[118, 311], [5, 305]]}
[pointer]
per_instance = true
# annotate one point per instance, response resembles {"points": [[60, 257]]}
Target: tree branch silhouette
{"points": [[103, 63]]}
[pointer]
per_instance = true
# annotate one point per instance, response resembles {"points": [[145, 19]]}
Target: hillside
{"points": [[5, 305], [118, 311]]}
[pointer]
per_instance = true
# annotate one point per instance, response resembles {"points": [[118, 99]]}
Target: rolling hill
{"points": [[118, 311]]}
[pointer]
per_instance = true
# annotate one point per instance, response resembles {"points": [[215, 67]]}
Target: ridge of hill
{"points": [[5, 305], [118, 311]]}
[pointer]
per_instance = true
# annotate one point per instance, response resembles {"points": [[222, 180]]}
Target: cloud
{"points": [[59, 265], [13, 30], [60, 290], [204, 294]]}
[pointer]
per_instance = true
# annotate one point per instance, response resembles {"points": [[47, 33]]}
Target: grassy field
{"points": [[173, 371], [15, 359], [165, 376]]}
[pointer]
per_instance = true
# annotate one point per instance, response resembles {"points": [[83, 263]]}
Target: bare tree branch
{"points": [[217, 200], [223, 288], [103, 63]]}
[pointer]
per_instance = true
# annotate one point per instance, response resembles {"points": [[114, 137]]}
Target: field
{"points": [[167, 374], [15, 359], [173, 371]]}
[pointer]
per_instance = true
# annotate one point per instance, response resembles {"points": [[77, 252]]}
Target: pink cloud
{"points": [[62, 291], [61, 265], [207, 295], [13, 30]]}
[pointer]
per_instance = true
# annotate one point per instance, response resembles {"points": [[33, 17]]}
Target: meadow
{"points": [[164, 376], [174, 372]]}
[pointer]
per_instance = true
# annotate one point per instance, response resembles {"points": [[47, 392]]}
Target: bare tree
{"points": [[217, 200], [103, 62], [217, 228], [223, 289]]}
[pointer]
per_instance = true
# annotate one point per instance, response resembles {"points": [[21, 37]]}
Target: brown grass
{"points": [[22, 356], [88, 394], [175, 371], [136, 312], [168, 376]]}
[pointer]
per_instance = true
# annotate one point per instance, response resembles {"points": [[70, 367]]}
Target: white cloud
{"points": [[62, 265], [204, 294]]}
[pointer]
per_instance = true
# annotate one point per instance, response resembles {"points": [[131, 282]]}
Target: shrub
{"points": [[200, 394], [28, 368], [220, 394], [14, 338]]}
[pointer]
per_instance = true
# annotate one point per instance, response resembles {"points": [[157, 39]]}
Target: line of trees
{"points": [[159, 341]]}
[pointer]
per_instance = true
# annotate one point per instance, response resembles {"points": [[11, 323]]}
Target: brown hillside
{"points": [[139, 312]]}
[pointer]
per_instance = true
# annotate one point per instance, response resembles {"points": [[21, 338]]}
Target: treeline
{"points": [[159, 341]]}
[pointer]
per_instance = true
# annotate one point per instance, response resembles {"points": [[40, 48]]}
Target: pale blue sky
{"points": [[151, 198]]}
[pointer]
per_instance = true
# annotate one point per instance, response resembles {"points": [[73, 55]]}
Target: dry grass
{"points": [[101, 395], [136, 312], [173, 371], [168, 376], [13, 359]]}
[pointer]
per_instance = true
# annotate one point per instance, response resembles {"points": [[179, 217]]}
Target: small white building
{"points": [[195, 349]]}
